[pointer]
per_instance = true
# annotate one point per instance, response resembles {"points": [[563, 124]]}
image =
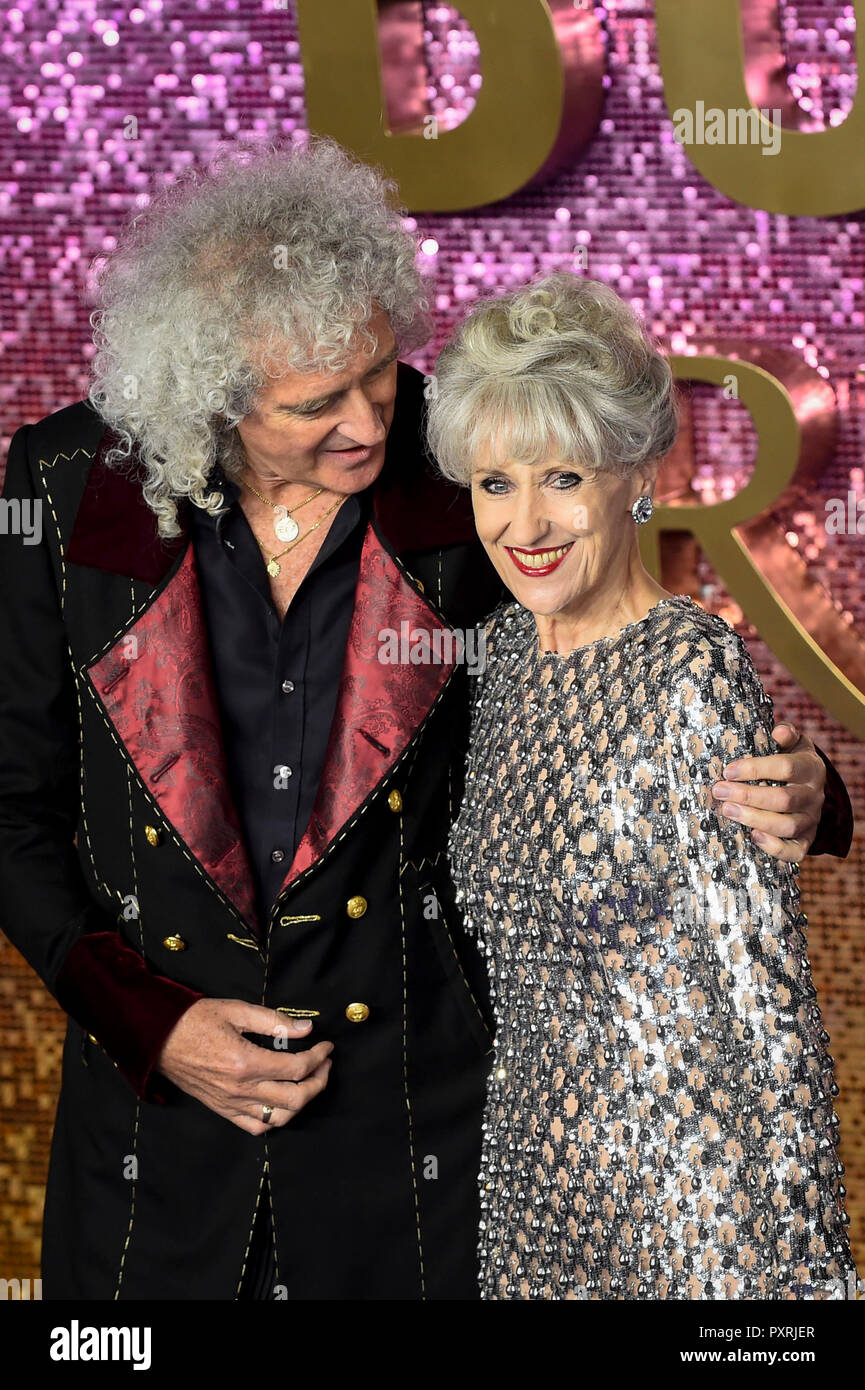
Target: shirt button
{"points": [[277, 855], [287, 687]]}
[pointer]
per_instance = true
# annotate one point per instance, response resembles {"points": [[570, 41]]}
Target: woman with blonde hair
{"points": [[659, 1119]]}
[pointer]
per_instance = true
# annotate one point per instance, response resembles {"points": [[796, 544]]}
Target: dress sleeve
{"points": [[764, 1084]]}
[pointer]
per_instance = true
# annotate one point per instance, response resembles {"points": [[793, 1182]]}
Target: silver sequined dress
{"points": [[659, 1119]]}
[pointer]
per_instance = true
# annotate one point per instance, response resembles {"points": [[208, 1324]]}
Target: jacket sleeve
{"points": [[835, 831], [46, 908], [763, 1084]]}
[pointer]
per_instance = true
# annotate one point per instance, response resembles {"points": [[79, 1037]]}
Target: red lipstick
{"points": [[556, 554]]}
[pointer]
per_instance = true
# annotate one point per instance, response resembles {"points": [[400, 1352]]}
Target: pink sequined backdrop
{"points": [[102, 104]]}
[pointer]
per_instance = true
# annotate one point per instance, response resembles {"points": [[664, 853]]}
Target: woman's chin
{"points": [[539, 595]]}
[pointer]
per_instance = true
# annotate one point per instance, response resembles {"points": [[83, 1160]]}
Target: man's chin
{"points": [[339, 476]]}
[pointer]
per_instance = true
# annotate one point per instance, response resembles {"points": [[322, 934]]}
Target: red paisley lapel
{"points": [[379, 706], [156, 686]]}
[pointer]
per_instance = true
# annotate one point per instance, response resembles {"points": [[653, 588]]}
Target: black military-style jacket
{"points": [[125, 882]]}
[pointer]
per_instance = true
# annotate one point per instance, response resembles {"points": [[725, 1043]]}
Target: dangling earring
{"points": [[642, 509]]}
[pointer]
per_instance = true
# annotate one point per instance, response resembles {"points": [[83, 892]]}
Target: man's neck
{"points": [[294, 563]]}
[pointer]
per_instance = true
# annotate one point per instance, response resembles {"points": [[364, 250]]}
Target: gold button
{"points": [[419, 583], [394, 801], [92, 1039], [174, 943], [356, 907], [356, 1013], [152, 835]]}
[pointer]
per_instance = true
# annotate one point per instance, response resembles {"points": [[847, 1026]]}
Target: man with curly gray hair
{"points": [[224, 816]]}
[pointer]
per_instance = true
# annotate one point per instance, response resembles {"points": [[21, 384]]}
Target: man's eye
{"points": [[314, 410]]}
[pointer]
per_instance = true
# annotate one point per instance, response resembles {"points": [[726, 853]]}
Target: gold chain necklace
{"points": [[273, 565], [284, 525]]}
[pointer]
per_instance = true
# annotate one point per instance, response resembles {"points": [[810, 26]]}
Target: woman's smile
{"points": [[538, 562]]}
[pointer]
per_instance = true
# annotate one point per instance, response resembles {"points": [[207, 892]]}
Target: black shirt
{"points": [[276, 681]]}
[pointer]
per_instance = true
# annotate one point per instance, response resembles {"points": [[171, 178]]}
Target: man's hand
{"points": [[784, 819], [206, 1055]]}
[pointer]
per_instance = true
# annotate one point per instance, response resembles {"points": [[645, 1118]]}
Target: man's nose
{"points": [[361, 421]]}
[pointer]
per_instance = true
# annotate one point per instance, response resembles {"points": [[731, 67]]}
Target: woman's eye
{"points": [[562, 482]]}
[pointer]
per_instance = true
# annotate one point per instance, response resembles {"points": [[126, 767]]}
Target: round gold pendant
{"points": [[273, 569]]}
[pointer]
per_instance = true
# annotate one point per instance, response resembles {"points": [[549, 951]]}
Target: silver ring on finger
{"points": [[266, 1114]]}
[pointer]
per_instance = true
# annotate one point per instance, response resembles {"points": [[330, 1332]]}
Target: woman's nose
{"points": [[527, 525]]}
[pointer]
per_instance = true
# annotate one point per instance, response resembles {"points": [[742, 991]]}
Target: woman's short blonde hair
{"points": [[562, 368]]}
